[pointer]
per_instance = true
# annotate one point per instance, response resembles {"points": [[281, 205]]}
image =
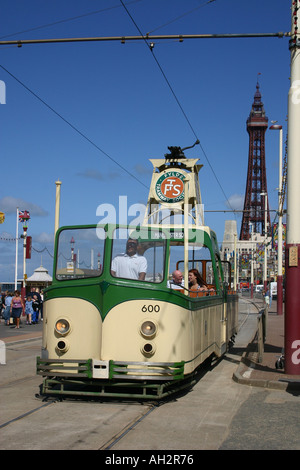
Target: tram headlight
{"points": [[148, 329], [148, 349], [62, 326], [62, 346]]}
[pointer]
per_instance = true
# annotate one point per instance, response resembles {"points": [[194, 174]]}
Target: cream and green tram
{"points": [[109, 334]]}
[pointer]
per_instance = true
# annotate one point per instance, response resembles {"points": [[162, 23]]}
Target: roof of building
{"points": [[40, 275]]}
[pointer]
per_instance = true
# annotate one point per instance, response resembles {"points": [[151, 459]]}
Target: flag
{"points": [[24, 216]]}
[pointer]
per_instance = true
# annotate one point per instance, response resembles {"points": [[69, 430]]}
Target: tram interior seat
{"points": [[195, 294]]}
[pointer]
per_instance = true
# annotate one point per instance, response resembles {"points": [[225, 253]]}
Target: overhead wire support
{"points": [[123, 39]]}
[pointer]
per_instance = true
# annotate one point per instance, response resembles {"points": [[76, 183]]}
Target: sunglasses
{"points": [[131, 244]]}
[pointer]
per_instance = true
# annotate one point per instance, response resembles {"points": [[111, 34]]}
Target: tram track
{"points": [[109, 439], [11, 383], [130, 426], [24, 415]]}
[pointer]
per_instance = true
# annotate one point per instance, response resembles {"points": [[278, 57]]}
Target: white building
{"points": [[40, 278], [253, 246]]}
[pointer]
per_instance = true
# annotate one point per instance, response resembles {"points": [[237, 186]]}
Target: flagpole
{"points": [[16, 266]]}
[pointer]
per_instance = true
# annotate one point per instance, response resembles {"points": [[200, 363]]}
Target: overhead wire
{"points": [[180, 16], [65, 20], [176, 98], [72, 125]]}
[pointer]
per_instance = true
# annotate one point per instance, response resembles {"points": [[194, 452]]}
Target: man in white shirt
{"points": [[130, 265]]}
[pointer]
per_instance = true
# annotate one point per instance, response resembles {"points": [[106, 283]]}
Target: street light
{"points": [[266, 237], [251, 260], [280, 214]]}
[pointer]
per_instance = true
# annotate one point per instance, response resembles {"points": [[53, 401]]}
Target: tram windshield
{"points": [[79, 253], [138, 255]]}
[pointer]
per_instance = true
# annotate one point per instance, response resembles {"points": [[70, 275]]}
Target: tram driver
{"points": [[130, 265]]}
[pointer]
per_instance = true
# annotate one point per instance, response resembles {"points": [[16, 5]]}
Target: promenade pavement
{"points": [[8, 333], [256, 368]]}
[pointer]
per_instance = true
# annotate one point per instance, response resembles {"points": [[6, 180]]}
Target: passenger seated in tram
{"points": [[130, 265], [197, 283], [177, 281]]}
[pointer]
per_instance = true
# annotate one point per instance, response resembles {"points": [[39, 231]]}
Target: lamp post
{"points": [[252, 254], [280, 213], [292, 264], [266, 237]]}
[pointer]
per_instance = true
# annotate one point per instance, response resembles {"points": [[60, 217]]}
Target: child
{"points": [[36, 308], [28, 309]]}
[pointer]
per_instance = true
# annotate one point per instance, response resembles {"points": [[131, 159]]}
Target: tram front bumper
{"points": [[98, 369]]}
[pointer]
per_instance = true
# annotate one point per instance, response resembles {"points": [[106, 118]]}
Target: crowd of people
{"points": [[13, 307]]}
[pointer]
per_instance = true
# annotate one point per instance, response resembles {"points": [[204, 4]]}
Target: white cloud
{"points": [[236, 202], [143, 169], [44, 238], [93, 174], [9, 204], [97, 175]]}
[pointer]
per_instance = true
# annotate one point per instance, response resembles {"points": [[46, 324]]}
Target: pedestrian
{"points": [[267, 297], [36, 308], [16, 307], [7, 302], [41, 303], [29, 310]]}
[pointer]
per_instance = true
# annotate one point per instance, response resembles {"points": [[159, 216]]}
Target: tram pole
{"points": [[17, 238], [57, 206], [292, 301], [186, 234]]}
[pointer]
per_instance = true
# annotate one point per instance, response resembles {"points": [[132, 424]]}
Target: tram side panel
{"points": [[232, 316]]}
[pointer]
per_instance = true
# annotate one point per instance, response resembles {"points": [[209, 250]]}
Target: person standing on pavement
{"points": [[7, 302], [29, 309], [267, 296], [17, 307], [35, 292], [36, 308]]}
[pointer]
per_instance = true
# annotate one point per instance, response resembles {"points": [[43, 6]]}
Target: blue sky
{"points": [[122, 110]]}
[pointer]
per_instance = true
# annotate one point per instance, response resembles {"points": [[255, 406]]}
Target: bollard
{"points": [[2, 353]]}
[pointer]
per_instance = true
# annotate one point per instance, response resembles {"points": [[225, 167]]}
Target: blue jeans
{"points": [[35, 316], [6, 313]]}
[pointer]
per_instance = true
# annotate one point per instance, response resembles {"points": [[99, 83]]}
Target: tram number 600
{"points": [[150, 308]]}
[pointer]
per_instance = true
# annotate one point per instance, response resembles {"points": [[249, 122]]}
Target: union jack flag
{"points": [[24, 216]]}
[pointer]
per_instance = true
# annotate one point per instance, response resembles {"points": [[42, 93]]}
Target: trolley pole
{"points": [[57, 206], [186, 234], [292, 302]]}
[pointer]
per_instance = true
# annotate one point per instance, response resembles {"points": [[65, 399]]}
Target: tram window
{"points": [[199, 258], [138, 258], [79, 253]]}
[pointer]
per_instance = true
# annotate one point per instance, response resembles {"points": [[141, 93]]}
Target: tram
{"points": [[119, 326]]}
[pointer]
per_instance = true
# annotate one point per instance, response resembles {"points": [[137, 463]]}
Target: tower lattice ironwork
{"points": [[254, 203]]}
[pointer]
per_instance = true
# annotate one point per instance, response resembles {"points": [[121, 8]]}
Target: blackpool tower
{"points": [[254, 203]]}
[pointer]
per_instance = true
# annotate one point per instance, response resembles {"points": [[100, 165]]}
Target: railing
{"points": [[262, 320]]}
